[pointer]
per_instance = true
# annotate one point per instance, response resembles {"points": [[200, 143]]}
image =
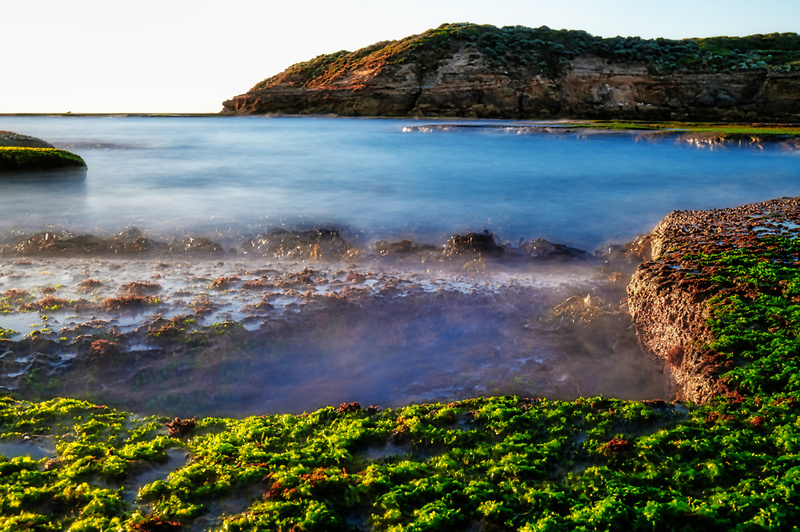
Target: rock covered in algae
{"points": [[23, 153], [701, 263]]}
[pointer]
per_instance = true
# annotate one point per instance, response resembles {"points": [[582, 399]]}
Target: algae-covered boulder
{"points": [[22, 153]]}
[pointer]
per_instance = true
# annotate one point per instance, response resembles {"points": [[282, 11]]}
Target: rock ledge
{"points": [[669, 296]]}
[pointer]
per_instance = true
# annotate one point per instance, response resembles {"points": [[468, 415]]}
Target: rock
{"points": [[541, 249], [9, 138], [483, 243], [384, 248], [22, 153], [314, 244], [668, 296]]}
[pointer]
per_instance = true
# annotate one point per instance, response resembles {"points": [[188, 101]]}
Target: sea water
{"points": [[378, 179], [316, 331]]}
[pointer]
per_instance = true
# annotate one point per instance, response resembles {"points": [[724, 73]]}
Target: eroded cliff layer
{"points": [[672, 297], [487, 72]]}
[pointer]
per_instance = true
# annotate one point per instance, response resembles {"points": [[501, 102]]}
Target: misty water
{"points": [[317, 327]]}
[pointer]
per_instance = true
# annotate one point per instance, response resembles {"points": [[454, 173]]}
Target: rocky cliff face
{"points": [[469, 84], [669, 295]]}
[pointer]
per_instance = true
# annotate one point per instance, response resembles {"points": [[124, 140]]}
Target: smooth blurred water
{"points": [[231, 177]]}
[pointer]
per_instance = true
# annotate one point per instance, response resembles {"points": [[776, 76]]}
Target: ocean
{"points": [[243, 265], [230, 177]]}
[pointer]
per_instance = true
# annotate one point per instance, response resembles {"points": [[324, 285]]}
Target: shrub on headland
{"points": [[548, 51]]}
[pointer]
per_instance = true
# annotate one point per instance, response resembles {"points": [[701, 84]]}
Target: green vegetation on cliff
{"points": [[16, 158], [547, 51]]}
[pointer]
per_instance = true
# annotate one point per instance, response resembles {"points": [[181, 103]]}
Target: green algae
{"points": [[496, 462], [14, 158], [501, 463], [723, 131]]}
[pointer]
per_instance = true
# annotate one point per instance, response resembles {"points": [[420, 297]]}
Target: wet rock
{"points": [[541, 249], [105, 350], [316, 244], [484, 243], [668, 297], [56, 242], [636, 251], [180, 427], [580, 308], [197, 246], [156, 524], [42, 361], [22, 155], [140, 287], [9, 138], [346, 408], [67, 243], [617, 446], [134, 301], [384, 248], [226, 282]]}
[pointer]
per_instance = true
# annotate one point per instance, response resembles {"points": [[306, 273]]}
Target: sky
{"points": [[179, 56]]}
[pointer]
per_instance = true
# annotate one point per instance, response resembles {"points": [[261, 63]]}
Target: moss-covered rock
{"points": [[23, 153], [32, 159]]}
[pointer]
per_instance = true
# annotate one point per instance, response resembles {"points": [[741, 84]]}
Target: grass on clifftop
{"points": [[13, 158], [524, 51], [503, 463]]}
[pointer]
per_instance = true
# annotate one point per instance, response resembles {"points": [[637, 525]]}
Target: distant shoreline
{"points": [[176, 115]]}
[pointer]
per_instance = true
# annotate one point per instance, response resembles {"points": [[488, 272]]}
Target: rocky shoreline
{"points": [[669, 295], [716, 300], [116, 318]]}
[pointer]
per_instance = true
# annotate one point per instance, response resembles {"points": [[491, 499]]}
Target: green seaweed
{"points": [[5, 334], [499, 463], [13, 158], [723, 131]]}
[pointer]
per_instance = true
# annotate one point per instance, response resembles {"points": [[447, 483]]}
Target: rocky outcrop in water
{"points": [[669, 295], [23, 153], [9, 138], [470, 71]]}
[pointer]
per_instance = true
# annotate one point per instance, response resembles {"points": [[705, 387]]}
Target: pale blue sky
{"points": [[190, 55]]}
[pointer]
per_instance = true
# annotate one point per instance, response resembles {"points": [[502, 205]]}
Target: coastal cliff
{"points": [[466, 70]]}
